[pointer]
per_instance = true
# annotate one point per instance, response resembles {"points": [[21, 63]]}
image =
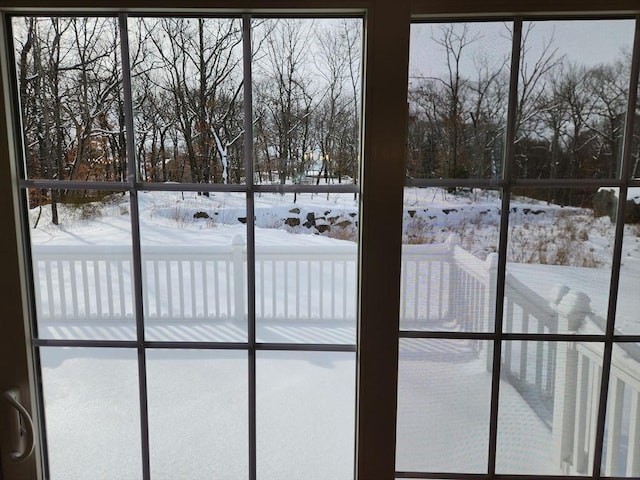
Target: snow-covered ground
{"points": [[305, 415], [544, 239], [305, 401]]}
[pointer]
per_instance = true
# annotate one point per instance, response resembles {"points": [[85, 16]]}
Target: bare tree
{"points": [[283, 93], [197, 63]]}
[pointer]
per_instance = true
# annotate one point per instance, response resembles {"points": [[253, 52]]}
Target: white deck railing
{"points": [[79, 284], [578, 376], [440, 283]]}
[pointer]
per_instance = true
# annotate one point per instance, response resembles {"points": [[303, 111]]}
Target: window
{"points": [[445, 310], [178, 174], [517, 134]]}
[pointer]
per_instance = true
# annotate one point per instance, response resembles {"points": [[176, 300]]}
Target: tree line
{"points": [[187, 78], [569, 120]]}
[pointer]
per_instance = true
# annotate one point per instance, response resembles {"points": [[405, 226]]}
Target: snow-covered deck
{"points": [[305, 414], [305, 400]]}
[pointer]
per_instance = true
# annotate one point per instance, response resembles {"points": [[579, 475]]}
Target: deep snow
{"points": [[305, 401]]}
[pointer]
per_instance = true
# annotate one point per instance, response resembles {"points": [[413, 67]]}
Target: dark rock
{"points": [[294, 210], [323, 228], [311, 220], [292, 222], [201, 215], [242, 219], [411, 213]]}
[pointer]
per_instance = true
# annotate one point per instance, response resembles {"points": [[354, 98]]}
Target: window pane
{"points": [[621, 452], [559, 258], [458, 93], [449, 264], [573, 83], [548, 407], [627, 321], [306, 268], [305, 415], [82, 264], [194, 266], [92, 415], [306, 96], [187, 94], [69, 84], [444, 396], [198, 414]]}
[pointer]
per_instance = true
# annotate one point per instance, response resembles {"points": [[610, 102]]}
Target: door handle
{"points": [[23, 427]]}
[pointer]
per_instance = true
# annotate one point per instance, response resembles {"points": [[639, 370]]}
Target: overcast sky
{"points": [[589, 42]]}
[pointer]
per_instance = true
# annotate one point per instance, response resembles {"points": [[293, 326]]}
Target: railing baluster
{"points": [[429, 288], [181, 290], [333, 289], [169, 289], [594, 400], [157, 288], [285, 274], [551, 367], [145, 285], [49, 277], [416, 292], [508, 346], [273, 289], [523, 362], [508, 321], [345, 268], [633, 447], [109, 277], [403, 290], [580, 430], [321, 292], [205, 288], [121, 289], [228, 272], [62, 289], [261, 264], [614, 427], [96, 276], [74, 289], [192, 280], [297, 283], [540, 363], [309, 280]]}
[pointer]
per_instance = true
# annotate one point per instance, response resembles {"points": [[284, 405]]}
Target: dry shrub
{"points": [[349, 233], [418, 232]]}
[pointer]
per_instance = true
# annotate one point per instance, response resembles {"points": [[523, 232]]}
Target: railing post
{"points": [[571, 309], [491, 264], [239, 285], [454, 296]]}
